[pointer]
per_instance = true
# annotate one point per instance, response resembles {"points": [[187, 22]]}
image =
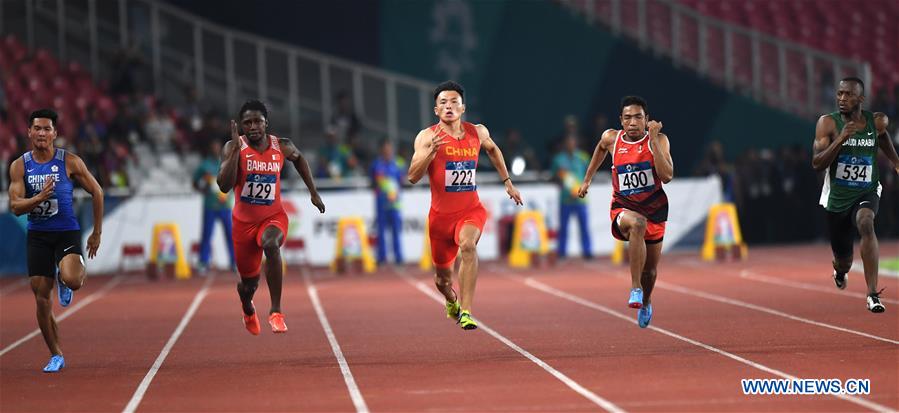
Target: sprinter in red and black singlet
{"points": [[641, 163], [251, 165], [448, 153]]}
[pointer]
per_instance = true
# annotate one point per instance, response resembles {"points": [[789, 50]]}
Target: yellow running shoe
{"points": [[452, 310], [466, 321]]}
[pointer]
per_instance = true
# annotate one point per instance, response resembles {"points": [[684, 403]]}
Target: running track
{"points": [[559, 339]]}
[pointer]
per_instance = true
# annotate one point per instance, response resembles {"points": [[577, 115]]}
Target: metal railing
{"points": [[183, 50], [773, 71]]}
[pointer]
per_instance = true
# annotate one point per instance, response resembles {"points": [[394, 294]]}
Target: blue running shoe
{"points": [[65, 293], [644, 316], [55, 364], [636, 300]]}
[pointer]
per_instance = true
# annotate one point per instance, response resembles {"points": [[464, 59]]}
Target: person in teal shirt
{"points": [[216, 205], [387, 173], [568, 168]]}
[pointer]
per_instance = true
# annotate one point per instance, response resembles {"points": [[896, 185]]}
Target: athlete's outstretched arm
{"points": [[230, 157], [496, 156], [659, 141], [294, 155], [18, 204], [599, 155], [826, 147], [87, 181], [426, 145], [881, 121]]}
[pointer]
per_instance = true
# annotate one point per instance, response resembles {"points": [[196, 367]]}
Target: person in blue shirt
{"points": [[568, 168], [216, 205], [40, 184], [386, 174]]}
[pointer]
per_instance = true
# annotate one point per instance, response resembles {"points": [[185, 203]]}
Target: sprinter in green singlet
{"points": [[846, 144]]}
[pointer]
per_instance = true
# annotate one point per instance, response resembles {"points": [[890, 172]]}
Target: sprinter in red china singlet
{"points": [[641, 163], [251, 165], [448, 153]]}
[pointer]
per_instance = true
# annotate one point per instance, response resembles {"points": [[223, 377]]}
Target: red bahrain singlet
{"points": [[635, 184], [452, 172], [258, 186]]}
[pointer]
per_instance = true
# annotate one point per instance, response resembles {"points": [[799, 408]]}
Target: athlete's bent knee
{"points": [[639, 226], [866, 225], [467, 248]]}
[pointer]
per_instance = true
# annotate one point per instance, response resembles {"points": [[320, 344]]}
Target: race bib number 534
{"points": [[854, 171], [259, 189]]}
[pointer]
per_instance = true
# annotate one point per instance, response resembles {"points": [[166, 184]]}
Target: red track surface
{"points": [[405, 356]]}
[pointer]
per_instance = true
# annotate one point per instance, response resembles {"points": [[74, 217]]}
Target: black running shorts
{"points": [[47, 248]]}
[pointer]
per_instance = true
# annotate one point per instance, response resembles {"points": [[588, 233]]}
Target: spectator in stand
{"points": [[125, 64], [190, 114], [159, 128], [515, 148], [344, 120], [334, 159], [713, 163]]}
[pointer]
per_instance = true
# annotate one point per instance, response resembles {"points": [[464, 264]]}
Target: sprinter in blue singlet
{"points": [[41, 183]]}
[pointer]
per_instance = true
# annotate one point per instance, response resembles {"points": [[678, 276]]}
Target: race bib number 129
{"points": [[259, 189]]}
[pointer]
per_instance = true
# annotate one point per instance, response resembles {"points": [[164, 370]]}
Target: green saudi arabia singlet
{"points": [[854, 172]]}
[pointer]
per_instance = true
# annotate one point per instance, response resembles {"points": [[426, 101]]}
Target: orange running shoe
{"points": [[276, 320], [251, 322]]}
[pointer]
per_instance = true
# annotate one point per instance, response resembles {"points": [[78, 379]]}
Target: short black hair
{"points": [[253, 104], [856, 80], [43, 114], [634, 100], [449, 85]]}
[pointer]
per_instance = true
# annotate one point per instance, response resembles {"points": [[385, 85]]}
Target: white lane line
{"points": [[738, 303], [756, 276], [185, 320], [355, 394], [14, 286], [589, 395], [537, 285], [72, 310]]}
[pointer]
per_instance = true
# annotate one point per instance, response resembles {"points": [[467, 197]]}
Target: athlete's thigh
{"points": [[272, 233], [653, 256], [71, 265]]}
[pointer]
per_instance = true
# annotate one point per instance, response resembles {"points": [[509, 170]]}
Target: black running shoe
{"points": [[839, 278], [874, 304]]}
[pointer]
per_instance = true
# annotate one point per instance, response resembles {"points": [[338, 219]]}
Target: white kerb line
{"points": [[74, 309], [537, 285], [355, 394], [573, 385], [185, 320], [738, 303]]}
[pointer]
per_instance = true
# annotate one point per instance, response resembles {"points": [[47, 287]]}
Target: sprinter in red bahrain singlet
{"points": [[448, 153], [251, 166]]}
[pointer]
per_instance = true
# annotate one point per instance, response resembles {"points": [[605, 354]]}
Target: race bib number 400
{"points": [[460, 176], [45, 209], [854, 171], [259, 189], [635, 178]]}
